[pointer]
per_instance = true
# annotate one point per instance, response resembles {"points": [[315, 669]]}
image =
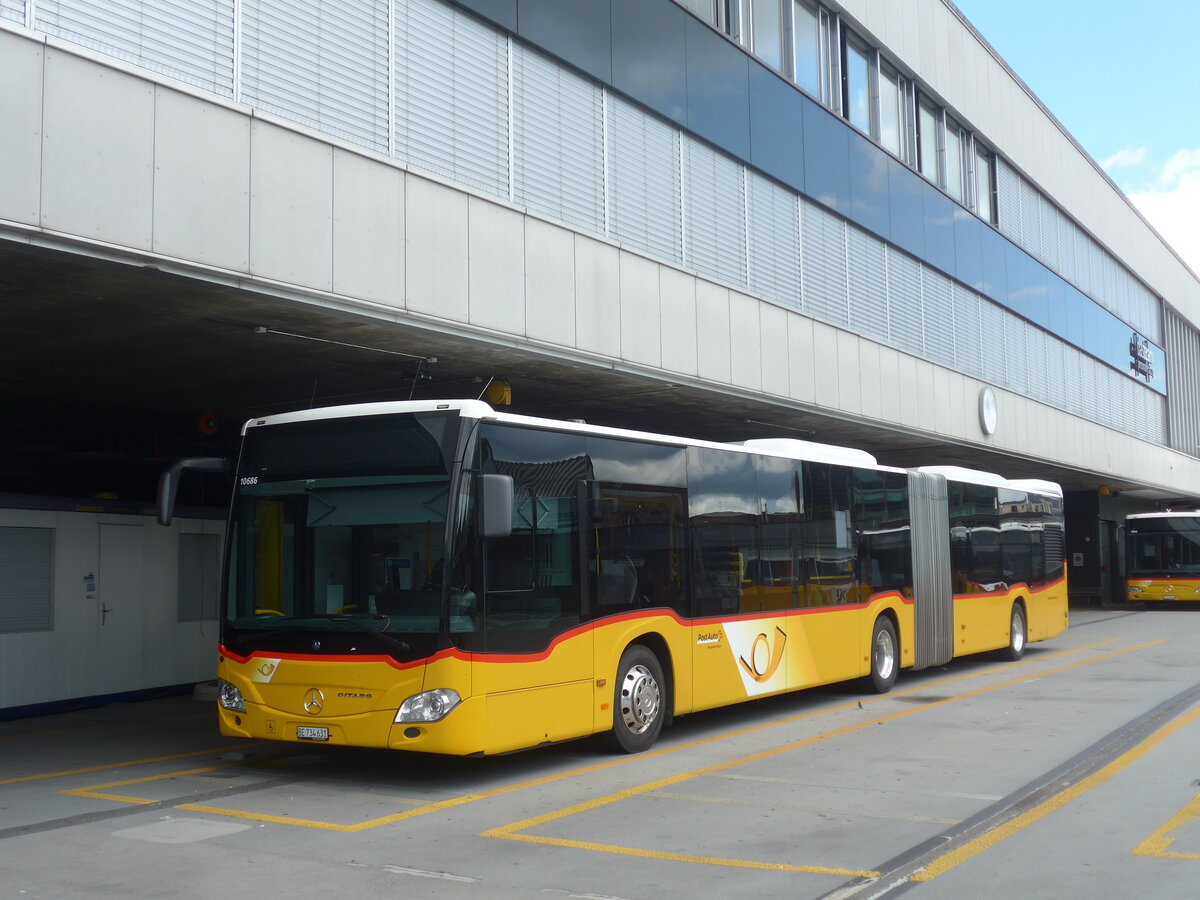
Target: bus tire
{"points": [[638, 697], [885, 658], [1017, 635]]}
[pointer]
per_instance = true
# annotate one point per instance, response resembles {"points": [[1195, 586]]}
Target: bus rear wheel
{"points": [[885, 663], [1017, 636], [637, 701]]}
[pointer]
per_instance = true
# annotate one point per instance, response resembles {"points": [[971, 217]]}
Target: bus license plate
{"points": [[308, 733], [1168, 596]]}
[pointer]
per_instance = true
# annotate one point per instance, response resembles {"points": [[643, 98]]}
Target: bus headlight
{"points": [[230, 697], [429, 706]]}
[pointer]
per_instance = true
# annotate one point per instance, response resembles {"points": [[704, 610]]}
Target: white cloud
{"points": [[1182, 164], [1130, 156], [1172, 211]]}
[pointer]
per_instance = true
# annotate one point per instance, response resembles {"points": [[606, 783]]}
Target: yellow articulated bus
{"points": [[441, 577], [1162, 557]]}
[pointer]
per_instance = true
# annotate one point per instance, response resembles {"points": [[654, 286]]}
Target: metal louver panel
{"points": [[1008, 200], [823, 241], [993, 357], [868, 287], [1050, 223], [968, 339], [26, 579], [322, 64], [933, 600], [191, 40], [644, 188], [1183, 378], [939, 317], [774, 227], [558, 141], [13, 10], [451, 95], [714, 204], [1017, 349], [907, 318], [1031, 229]]}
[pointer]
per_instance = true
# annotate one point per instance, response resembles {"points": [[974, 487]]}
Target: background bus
{"points": [[1162, 553], [445, 578]]}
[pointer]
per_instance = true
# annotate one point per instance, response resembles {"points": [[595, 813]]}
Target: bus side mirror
{"points": [[496, 500], [168, 482]]}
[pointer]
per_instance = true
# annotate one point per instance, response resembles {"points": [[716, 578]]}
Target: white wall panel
{"points": [[201, 181], [926, 399], [21, 113], [745, 341], [597, 285], [549, 283], [849, 373], [890, 390], [640, 310], [677, 293], [97, 152], [712, 332], [496, 258], [368, 229], [869, 388], [825, 366], [908, 409], [291, 207], [801, 366], [435, 236], [773, 342]]}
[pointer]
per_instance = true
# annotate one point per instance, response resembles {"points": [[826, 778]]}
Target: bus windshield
{"points": [[337, 537], [1169, 546]]}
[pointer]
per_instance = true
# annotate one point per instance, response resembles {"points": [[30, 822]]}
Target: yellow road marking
{"points": [[961, 854], [1157, 844], [128, 764], [650, 754], [95, 789], [513, 830]]}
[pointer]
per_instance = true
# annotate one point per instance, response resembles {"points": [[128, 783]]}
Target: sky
{"points": [[1125, 82]]}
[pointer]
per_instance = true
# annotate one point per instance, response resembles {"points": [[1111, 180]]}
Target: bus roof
{"points": [[790, 448]]}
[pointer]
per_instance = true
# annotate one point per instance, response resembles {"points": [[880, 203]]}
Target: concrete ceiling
{"points": [[108, 372]]}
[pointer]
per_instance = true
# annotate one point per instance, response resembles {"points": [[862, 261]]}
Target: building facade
{"points": [[851, 210]]}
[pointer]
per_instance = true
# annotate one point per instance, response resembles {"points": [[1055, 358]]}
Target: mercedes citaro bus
{"points": [[442, 577]]}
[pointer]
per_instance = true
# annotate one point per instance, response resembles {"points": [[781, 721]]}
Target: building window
{"points": [[815, 64], [705, 9], [892, 120], [856, 83], [762, 30], [985, 184], [26, 579], [956, 161], [927, 140]]}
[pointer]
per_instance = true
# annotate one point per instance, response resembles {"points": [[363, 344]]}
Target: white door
{"points": [[121, 609]]}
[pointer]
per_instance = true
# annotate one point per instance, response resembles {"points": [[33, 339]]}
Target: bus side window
{"points": [[639, 543]]}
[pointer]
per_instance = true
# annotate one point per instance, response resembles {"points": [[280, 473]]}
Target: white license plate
{"points": [[1168, 596], [308, 733]]}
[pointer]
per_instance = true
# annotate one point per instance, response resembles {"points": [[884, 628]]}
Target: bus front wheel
{"points": [[1016, 634], [885, 663], [637, 701]]}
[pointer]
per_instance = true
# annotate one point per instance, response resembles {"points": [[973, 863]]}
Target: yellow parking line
{"points": [[94, 790], [512, 831], [972, 848], [128, 764], [586, 770]]}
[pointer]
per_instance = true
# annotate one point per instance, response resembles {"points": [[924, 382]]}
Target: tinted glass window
{"points": [[857, 95], [768, 31], [806, 36], [975, 539], [640, 544], [723, 514], [890, 116], [532, 591], [776, 568], [927, 141], [828, 537], [633, 462], [882, 524]]}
